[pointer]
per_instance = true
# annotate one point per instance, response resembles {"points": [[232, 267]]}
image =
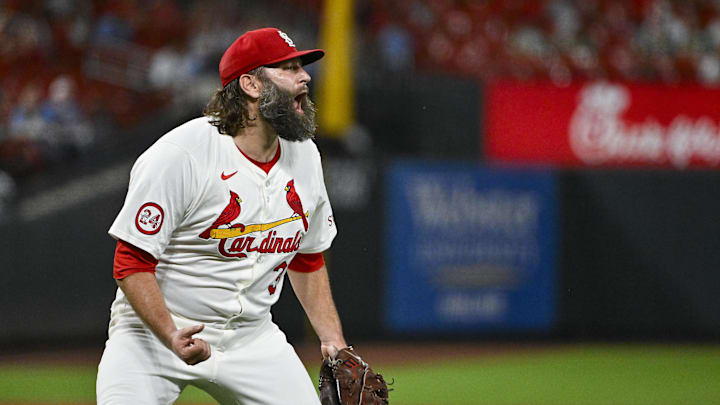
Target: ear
{"points": [[250, 85]]}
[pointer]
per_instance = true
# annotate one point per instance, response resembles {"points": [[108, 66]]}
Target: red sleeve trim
{"points": [[130, 259], [307, 262]]}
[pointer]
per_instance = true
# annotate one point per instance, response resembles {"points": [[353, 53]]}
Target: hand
{"points": [[190, 350], [330, 349]]}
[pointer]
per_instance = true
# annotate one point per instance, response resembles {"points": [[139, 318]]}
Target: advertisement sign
{"points": [[469, 248], [604, 124]]}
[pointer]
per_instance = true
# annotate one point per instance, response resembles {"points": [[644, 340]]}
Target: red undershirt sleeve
{"points": [[130, 259], [307, 262]]}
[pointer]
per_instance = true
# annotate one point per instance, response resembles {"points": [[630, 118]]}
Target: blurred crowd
{"points": [[560, 40], [76, 73]]}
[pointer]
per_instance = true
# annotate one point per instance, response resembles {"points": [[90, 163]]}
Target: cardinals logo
{"points": [[293, 200], [235, 240], [229, 214]]}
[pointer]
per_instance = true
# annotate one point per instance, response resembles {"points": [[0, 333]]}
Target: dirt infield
{"points": [[59, 356]]}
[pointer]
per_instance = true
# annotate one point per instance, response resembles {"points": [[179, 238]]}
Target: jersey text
{"points": [[270, 244]]}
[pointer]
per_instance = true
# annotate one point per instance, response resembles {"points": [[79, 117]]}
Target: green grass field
{"points": [[555, 375]]}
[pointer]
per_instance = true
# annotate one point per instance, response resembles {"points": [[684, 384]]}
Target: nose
{"points": [[304, 76]]}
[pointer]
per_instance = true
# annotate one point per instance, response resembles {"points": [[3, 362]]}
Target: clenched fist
{"points": [[190, 350]]}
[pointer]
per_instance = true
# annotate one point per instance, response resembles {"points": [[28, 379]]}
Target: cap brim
{"points": [[306, 57]]}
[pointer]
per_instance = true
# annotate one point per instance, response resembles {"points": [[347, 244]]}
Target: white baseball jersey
{"points": [[222, 229]]}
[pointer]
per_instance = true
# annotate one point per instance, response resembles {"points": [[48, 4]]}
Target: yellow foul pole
{"points": [[336, 93]]}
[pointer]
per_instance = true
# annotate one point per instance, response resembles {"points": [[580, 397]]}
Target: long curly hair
{"points": [[228, 107]]}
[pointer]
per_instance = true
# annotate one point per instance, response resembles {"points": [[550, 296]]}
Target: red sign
{"points": [[603, 124]]}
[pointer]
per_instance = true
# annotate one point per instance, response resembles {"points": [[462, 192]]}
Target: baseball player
{"points": [[217, 212]]}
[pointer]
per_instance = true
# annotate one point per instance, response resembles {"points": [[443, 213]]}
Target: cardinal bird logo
{"points": [[231, 211], [293, 199]]}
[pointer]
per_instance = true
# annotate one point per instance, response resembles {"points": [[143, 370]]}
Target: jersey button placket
{"points": [[268, 183], [266, 198]]}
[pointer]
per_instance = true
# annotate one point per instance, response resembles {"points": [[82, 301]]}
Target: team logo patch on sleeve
{"points": [[149, 218]]}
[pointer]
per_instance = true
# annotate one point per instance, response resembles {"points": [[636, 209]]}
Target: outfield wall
{"points": [[637, 256]]}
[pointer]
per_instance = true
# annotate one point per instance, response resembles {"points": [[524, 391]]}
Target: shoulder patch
{"points": [[149, 218]]}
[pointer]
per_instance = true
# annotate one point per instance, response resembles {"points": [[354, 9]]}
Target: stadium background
{"points": [[620, 250]]}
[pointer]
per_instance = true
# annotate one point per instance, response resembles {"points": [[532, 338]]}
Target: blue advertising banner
{"points": [[469, 248]]}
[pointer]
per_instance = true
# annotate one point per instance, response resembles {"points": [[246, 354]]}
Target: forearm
{"points": [[143, 293], [313, 292]]}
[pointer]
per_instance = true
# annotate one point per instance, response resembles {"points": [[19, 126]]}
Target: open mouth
{"points": [[298, 103]]}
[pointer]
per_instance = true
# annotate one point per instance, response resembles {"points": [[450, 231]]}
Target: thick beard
{"points": [[277, 107]]}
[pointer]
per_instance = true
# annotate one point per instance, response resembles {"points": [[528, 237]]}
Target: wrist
{"points": [[339, 343], [166, 336]]}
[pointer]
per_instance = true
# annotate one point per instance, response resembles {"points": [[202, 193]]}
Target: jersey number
{"points": [[146, 219], [281, 271]]}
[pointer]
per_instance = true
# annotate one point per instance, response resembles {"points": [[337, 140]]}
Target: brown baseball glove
{"points": [[347, 380]]}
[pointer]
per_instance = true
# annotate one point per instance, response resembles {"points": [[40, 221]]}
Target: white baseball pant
{"points": [[248, 367]]}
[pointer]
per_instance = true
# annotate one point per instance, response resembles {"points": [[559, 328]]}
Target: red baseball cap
{"points": [[261, 47]]}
